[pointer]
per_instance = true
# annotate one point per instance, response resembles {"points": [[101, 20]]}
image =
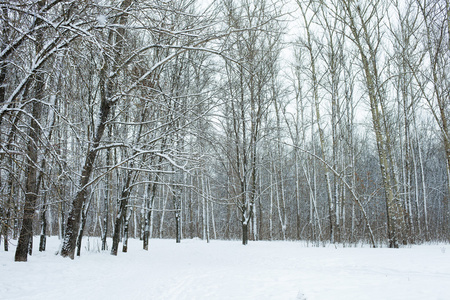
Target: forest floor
{"points": [[228, 270]]}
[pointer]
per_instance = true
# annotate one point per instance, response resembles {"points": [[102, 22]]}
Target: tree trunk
{"points": [[394, 212], [82, 226], [271, 206], [297, 196], [31, 188], [62, 220], [163, 213], [151, 194], [244, 232], [106, 200], [24, 245], [42, 240], [207, 216], [213, 222], [178, 226], [126, 232], [7, 212], [3, 63], [121, 214]]}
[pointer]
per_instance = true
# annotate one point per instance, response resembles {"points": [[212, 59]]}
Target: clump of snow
{"points": [[228, 270], [101, 19]]}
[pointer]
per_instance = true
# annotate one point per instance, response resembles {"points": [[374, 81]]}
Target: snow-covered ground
{"points": [[228, 270]]}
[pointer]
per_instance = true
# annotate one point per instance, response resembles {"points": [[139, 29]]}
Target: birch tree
{"points": [[365, 25]]}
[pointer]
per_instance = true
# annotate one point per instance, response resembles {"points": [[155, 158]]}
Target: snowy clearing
{"points": [[228, 270]]}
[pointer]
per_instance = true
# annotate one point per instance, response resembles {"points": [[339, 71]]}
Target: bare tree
{"points": [[255, 43], [106, 85], [435, 16], [365, 24], [25, 242]]}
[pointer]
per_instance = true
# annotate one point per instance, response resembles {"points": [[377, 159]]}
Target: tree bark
{"points": [[151, 194], [106, 200], [369, 65], [43, 239], [24, 245], [244, 233], [121, 214], [31, 188], [126, 233]]}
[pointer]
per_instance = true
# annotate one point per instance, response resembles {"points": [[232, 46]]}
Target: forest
{"points": [[322, 121]]}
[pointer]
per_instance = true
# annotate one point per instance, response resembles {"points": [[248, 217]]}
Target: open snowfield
{"points": [[228, 270]]}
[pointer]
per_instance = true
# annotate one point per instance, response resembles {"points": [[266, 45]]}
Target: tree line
{"points": [[232, 119]]}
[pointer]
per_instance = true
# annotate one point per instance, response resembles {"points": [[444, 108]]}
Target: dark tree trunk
{"points": [[105, 228], [62, 228], [42, 242], [82, 226], [24, 245], [43, 239], [6, 222], [16, 224], [146, 230], [3, 42], [125, 233], [73, 222], [119, 219], [5, 231], [148, 217], [106, 201], [244, 233], [30, 244], [24, 237], [3, 62], [178, 226]]}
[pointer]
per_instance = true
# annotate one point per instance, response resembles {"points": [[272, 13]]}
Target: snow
{"points": [[102, 19], [228, 270]]}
